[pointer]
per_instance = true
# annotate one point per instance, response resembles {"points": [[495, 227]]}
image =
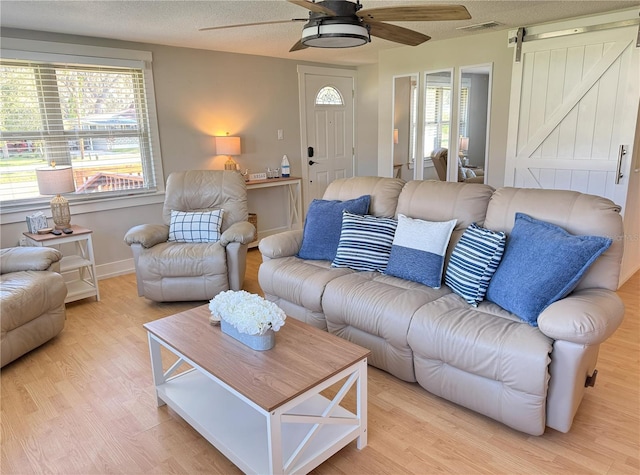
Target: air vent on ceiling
{"points": [[480, 26]]}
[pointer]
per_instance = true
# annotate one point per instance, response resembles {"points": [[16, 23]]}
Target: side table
{"points": [[81, 263]]}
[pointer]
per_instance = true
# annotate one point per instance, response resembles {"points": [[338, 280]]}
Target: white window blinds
{"points": [[93, 117], [437, 118]]}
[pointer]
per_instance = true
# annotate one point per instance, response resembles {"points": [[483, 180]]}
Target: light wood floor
{"points": [[84, 404]]}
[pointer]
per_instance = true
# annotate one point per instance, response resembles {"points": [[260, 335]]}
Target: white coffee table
{"points": [[262, 409]]}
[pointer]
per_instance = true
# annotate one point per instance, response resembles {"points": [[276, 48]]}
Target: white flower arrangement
{"points": [[248, 313]]}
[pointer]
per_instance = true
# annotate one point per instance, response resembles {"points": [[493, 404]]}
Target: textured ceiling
{"points": [[176, 22]]}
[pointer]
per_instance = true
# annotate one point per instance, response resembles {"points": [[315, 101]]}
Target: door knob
{"points": [[311, 162]]}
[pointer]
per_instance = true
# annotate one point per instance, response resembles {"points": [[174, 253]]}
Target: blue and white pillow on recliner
{"points": [[473, 262], [418, 250]]}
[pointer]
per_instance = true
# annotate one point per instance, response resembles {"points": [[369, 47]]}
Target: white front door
{"points": [[573, 110], [327, 116]]}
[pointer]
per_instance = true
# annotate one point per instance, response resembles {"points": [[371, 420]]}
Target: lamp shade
{"points": [[55, 180], [228, 145], [464, 143]]}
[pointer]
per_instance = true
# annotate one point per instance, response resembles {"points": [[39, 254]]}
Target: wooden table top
{"points": [[50, 237], [302, 357]]}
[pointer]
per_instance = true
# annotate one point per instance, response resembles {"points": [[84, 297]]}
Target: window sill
{"points": [[83, 207]]}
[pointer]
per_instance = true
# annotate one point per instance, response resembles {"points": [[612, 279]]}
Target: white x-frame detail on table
{"points": [[296, 437]]}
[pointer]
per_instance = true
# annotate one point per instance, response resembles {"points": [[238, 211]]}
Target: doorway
{"points": [[326, 126]]}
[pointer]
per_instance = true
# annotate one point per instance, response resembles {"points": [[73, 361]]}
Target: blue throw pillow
{"points": [[418, 250], [322, 226], [473, 262], [542, 263], [365, 242]]}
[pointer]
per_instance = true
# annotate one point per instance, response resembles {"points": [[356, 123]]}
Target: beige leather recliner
{"points": [[439, 159], [32, 309], [177, 271]]}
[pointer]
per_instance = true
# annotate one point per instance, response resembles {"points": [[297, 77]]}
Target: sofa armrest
{"points": [[242, 232], [284, 244], [147, 235], [17, 259], [586, 317]]}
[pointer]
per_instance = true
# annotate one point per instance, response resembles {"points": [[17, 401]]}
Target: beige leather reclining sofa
{"points": [[483, 358]]}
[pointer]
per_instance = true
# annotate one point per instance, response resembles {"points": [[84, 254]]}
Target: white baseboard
{"points": [[105, 271], [114, 269]]}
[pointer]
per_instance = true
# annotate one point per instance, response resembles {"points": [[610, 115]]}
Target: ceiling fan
{"points": [[344, 24]]}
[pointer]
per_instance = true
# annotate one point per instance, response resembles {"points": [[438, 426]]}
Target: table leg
{"points": [[361, 441], [156, 366], [274, 431]]}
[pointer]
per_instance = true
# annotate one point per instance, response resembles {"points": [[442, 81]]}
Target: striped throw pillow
{"points": [[365, 242], [473, 262], [195, 226]]}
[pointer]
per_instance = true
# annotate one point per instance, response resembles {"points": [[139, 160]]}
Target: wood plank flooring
{"points": [[84, 404]]}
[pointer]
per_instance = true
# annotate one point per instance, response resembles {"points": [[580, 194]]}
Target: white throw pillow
{"points": [[195, 226], [419, 249]]}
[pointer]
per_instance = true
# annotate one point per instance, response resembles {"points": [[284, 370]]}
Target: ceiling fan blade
{"points": [[298, 46], [415, 13], [314, 7], [397, 33], [252, 24]]}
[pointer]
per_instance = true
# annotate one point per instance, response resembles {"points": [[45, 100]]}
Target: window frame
{"points": [[34, 50]]}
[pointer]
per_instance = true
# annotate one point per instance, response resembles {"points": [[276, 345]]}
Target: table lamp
{"points": [[463, 149], [55, 181], [228, 146]]}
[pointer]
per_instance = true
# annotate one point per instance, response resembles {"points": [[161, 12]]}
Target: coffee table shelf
{"points": [[239, 430]]}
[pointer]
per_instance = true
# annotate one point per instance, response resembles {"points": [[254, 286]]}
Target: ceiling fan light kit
{"points": [[336, 32], [343, 23]]}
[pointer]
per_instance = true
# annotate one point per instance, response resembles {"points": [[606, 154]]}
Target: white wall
{"points": [[367, 121], [631, 260]]}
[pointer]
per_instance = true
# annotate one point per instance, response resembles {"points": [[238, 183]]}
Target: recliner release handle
{"points": [[591, 380]]}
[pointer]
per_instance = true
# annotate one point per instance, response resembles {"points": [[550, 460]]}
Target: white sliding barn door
{"points": [[574, 102]]}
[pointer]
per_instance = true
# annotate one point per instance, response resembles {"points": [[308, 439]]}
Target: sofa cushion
{"points": [[167, 270], [365, 242], [418, 250], [32, 311], [578, 213], [483, 358], [542, 263], [323, 223], [473, 262], [195, 226], [383, 191], [26, 295], [15, 259], [374, 310], [300, 282]]}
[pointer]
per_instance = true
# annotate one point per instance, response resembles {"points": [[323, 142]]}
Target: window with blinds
{"points": [[438, 116], [92, 117], [464, 111]]}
